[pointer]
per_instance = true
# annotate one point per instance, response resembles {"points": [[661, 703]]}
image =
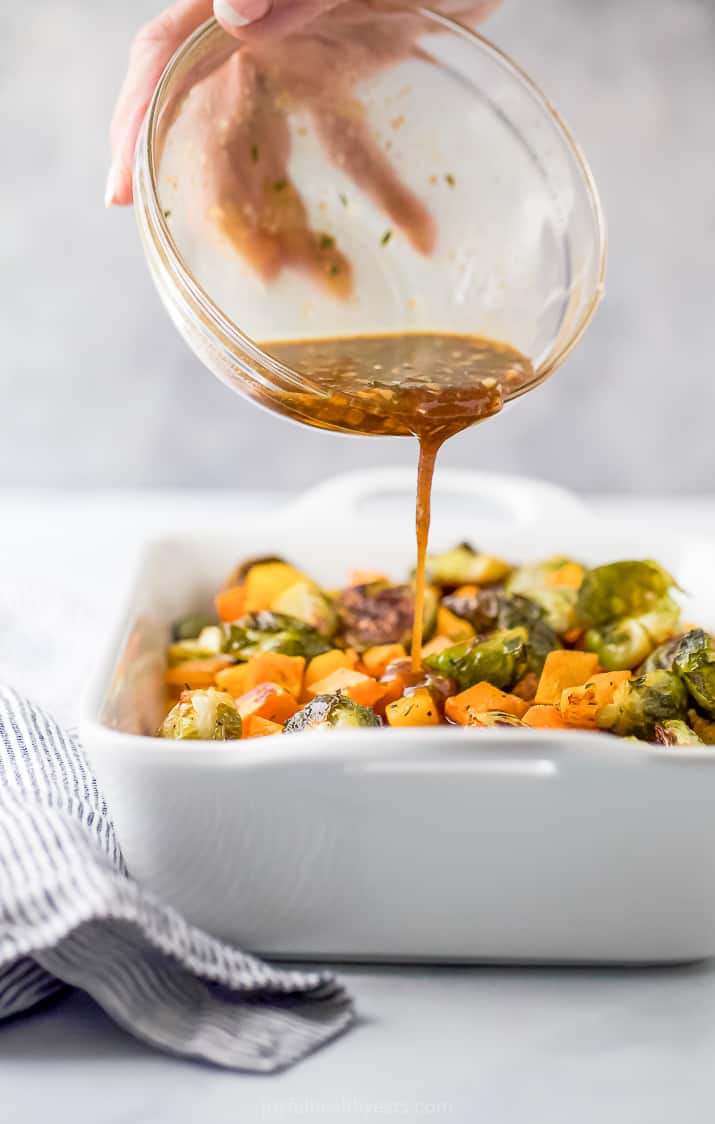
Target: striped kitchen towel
{"points": [[71, 915]]}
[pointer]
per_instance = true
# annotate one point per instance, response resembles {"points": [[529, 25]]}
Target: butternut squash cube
{"points": [[563, 669], [418, 709]]}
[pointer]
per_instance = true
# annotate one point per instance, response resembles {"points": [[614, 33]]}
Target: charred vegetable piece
{"points": [[188, 628], [273, 632], [380, 613], [306, 602], [621, 589], [239, 573], [639, 704], [209, 715], [557, 602], [627, 642], [661, 658], [694, 661], [329, 712], [490, 609], [495, 718], [675, 732], [500, 660], [209, 643], [464, 564]]}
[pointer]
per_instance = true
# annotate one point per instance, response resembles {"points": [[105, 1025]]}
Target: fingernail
{"points": [[110, 191], [242, 13]]}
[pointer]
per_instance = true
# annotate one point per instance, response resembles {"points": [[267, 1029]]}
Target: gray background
{"points": [[98, 389]]}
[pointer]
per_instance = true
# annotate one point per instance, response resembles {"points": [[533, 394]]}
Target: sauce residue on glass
{"points": [[426, 384]]}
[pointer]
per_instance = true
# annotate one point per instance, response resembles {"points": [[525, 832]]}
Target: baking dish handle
{"points": [[517, 501]]}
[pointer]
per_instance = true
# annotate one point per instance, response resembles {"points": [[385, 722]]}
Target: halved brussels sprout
{"points": [[662, 656], [329, 712], [639, 704], [381, 613], [557, 602], [621, 589], [500, 660], [273, 632], [208, 715], [306, 602], [210, 642], [188, 628], [490, 609], [627, 642], [676, 732], [694, 661], [463, 564]]}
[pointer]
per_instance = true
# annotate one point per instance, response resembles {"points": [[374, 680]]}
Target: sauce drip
{"points": [[425, 384]]}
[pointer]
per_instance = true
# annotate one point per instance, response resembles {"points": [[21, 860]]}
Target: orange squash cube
{"points": [[418, 709], [360, 688], [544, 717], [326, 663], [267, 580], [196, 674], [233, 679], [230, 603], [580, 705], [464, 709], [453, 627], [274, 667], [267, 700], [376, 660], [256, 727], [563, 669]]}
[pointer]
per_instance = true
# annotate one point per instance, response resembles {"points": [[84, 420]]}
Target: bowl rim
{"points": [[242, 347]]}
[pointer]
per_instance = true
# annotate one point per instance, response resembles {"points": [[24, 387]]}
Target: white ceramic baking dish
{"points": [[428, 845]]}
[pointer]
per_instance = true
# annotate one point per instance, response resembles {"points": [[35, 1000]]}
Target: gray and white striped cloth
{"points": [[71, 915]]}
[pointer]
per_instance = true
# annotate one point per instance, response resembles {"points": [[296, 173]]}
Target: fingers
{"points": [[348, 142], [258, 21], [151, 49]]}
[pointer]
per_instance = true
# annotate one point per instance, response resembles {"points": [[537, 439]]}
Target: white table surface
{"points": [[492, 1045]]}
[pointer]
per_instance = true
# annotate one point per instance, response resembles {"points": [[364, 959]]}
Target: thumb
{"points": [[235, 14]]}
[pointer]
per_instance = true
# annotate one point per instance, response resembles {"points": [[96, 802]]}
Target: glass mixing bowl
{"points": [[487, 220]]}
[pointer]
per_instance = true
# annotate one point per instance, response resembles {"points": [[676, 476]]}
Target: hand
{"points": [[287, 50]]}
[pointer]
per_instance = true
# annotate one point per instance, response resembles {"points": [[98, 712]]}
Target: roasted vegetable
{"points": [[489, 609], [306, 601], [500, 660], [189, 628], [360, 688], [380, 613], [694, 662], [418, 709], [210, 642], [327, 712], [627, 642], [661, 658], [464, 564], [495, 718], [703, 727], [273, 632], [564, 669], [621, 589], [465, 708], [639, 704], [208, 715], [558, 602], [675, 732]]}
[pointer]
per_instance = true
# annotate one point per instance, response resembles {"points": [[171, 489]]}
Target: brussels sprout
{"points": [[490, 609], [210, 642], [188, 628], [675, 732], [626, 643], [208, 715], [273, 632], [694, 662], [376, 613], [661, 657], [501, 660], [558, 602], [463, 564], [639, 704], [621, 589], [328, 712], [306, 602]]}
